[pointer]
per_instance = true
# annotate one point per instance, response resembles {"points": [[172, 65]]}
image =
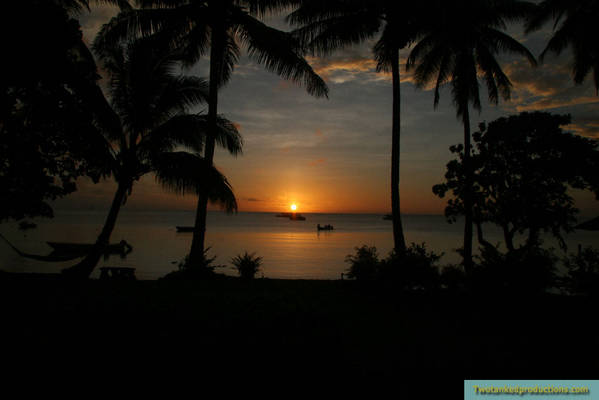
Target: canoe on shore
{"points": [[83, 248]]}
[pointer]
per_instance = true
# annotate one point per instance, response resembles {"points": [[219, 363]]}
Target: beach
{"points": [[297, 330]]}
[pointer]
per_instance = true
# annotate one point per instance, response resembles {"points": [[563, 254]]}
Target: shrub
{"points": [[415, 269], [524, 270], [364, 265], [247, 265], [583, 271], [452, 277], [201, 270]]}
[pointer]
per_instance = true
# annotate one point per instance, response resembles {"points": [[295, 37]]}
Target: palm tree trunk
{"points": [[468, 193], [399, 240], [84, 269], [196, 254], [508, 237]]}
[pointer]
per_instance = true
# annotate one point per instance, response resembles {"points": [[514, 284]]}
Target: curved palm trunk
{"points": [[468, 193], [196, 254], [84, 269], [399, 240]]}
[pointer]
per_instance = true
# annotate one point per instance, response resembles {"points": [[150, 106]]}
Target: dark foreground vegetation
{"points": [[339, 332]]}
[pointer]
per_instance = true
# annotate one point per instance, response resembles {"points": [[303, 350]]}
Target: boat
{"points": [[185, 228], [292, 216], [324, 228], [83, 248]]}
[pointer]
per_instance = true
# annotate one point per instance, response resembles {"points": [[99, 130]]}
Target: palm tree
{"points": [[223, 26], [462, 43], [325, 27], [575, 26], [144, 126]]}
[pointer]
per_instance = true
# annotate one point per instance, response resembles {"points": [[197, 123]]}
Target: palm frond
{"points": [[546, 11], [503, 42], [266, 7], [325, 36], [136, 23], [228, 136], [229, 57], [494, 77], [278, 52], [188, 130], [191, 130], [183, 173]]}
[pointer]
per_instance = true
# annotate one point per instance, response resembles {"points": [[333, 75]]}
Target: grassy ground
{"points": [[270, 329]]}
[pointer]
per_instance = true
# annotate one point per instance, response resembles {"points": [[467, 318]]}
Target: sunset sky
{"points": [[334, 155]]}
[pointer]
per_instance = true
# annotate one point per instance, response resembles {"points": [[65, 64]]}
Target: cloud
{"points": [[586, 125], [546, 87], [356, 65], [252, 199]]}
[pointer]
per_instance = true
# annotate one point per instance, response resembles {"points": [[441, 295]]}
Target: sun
{"points": [[293, 207]]}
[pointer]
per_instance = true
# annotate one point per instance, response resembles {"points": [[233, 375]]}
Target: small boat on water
{"points": [[324, 228], [83, 248], [292, 216], [184, 228]]}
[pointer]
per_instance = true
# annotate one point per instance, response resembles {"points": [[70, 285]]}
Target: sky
{"points": [[333, 155]]}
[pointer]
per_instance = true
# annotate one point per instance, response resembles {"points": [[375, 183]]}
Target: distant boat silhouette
{"points": [[324, 228], [184, 228], [292, 216], [83, 248]]}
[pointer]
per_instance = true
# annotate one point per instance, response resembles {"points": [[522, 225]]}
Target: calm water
{"points": [[290, 249]]}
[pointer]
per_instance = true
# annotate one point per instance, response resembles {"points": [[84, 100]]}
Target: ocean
{"points": [[290, 249]]}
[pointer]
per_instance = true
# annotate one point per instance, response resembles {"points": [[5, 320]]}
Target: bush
{"points": [[415, 269], [583, 271], [524, 270], [247, 265], [364, 265], [452, 277], [198, 271]]}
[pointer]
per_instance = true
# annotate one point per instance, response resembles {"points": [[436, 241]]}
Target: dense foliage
{"points": [[524, 166], [47, 94]]}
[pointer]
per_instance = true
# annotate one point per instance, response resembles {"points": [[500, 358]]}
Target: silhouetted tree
{"points": [[523, 168], [221, 26], [465, 38], [146, 123], [575, 26], [327, 26], [46, 114]]}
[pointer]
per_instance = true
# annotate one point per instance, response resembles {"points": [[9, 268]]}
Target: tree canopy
{"points": [[46, 108], [524, 166]]}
